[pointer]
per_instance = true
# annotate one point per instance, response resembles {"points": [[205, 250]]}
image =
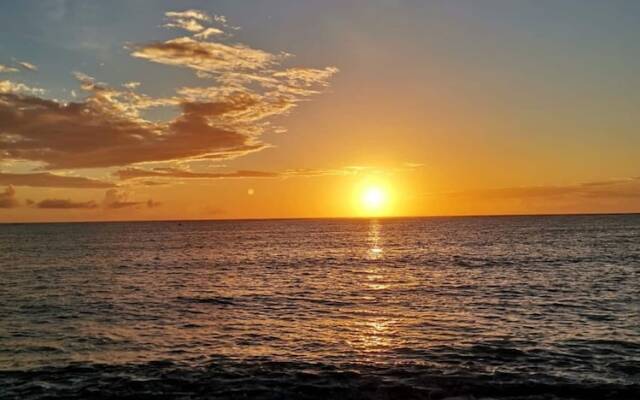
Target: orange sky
{"points": [[295, 110]]}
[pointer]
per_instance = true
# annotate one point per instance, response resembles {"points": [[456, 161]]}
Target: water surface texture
{"points": [[502, 307]]}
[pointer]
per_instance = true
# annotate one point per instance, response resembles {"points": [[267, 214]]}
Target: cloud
{"points": [[187, 24], [197, 15], [221, 120], [153, 204], [98, 132], [242, 89], [192, 14], [113, 199], [8, 198], [65, 204], [205, 56], [208, 32], [131, 85], [7, 86], [614, 188], [4, 68], [116, 199], [134, 173], [174, 173], [27, 65], [45, 179], [153, 183]]}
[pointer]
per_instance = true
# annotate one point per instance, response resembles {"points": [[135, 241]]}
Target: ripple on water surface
{"points": [[385, 307]]}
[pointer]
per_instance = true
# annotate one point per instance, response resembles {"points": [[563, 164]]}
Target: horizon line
{"points": [[586, 214]]}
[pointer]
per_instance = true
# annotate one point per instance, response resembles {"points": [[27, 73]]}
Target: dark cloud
{"points": [[8, 198], [90, 134], [66, 204], [114, 199], [45, 179]]}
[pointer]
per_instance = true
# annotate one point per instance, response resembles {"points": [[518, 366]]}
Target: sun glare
{"points": [[373, 199]]}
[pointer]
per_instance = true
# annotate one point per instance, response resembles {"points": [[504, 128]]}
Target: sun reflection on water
{"points": [[374, 333], [375, 241]]}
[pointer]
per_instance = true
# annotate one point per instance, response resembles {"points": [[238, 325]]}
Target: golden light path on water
{"points": [[376, 331]]}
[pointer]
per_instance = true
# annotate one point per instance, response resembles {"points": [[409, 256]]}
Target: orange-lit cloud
{"points": [[206, 33], [133, 173], [222, 120], [614, 188], [204, 56], [7, 86], [65, 204], [115, 199], [95, 133], [136, 173], [8, 198], [45, 179]]}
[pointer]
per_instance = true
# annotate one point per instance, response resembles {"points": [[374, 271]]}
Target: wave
{"points": [[264, 379]]}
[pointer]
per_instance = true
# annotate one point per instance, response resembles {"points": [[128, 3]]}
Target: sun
{"points": [[374, 199]]}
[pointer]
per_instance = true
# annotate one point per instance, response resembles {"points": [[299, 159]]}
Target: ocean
{"points": [[418, 308]]}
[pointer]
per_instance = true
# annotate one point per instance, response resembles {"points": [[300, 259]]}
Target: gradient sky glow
{"points": [[127, 110]]}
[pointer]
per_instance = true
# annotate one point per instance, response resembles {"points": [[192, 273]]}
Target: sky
{"points": [[153, 110]]}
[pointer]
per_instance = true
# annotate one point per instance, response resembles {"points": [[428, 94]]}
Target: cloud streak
{"points": [[614, 188], [135, 173], [5, 69], [118, 199], [175, 173], [66, 204], [45, 179], [28, 66]]}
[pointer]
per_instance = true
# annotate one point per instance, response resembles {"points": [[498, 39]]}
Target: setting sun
{"points": [[373, 199]]}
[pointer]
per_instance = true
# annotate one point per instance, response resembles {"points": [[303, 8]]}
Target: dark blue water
{"points": [[504, 307]]}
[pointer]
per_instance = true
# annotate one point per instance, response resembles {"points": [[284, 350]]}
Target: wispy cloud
{"points": [[131, 85], [27, 65], [614, 188], [188, 24], [5, 69], [117, 199], [189, 14], [45, 179], [209, 57], [208, 32], [134, 173], [66, 204], [174, 173]]}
